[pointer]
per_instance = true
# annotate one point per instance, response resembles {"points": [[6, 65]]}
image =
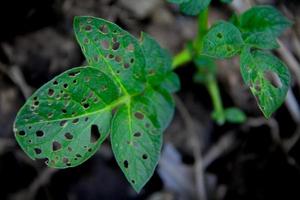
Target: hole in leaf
{"points": [[39, 133], [95, 133], [78, 156], [132, 60], [125, 163], [126, 65], [137, 134], [273, 78], [65, 160], [105, 44], [68, 136], [63, 123], [73, 74], [111, 56], [103, 29], [118, 58], [75, 121], [55, 82], [36, 103], [65, 85], [139, 115], [90, 150], [86, 119], [133, 181], [88, 28], [22, 133], [37, 150], [130, 47], [75, 81], [220, 35], [145, 156], [64, 110], [56, 146], [116, 46], [86, 105], [50, 92]]}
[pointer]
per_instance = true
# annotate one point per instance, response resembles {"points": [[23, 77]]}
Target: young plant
{"points": [[248, 36], [125, 90]]}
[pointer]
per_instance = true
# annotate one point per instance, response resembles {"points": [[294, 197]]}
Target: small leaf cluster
{"points": [[249, 36], [124, 92]]}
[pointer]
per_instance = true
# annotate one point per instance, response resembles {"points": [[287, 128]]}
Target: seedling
{"points": [[125, 91]]}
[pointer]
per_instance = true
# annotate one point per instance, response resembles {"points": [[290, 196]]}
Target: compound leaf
{"points": [[116, 52], [267, 77], [223, 40], [126, 90], [67, 119], [191, 7]]}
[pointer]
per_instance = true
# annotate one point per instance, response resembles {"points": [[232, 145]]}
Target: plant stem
{"points": [[214, 91], [186, 55], [202, 30], [182, 58]]}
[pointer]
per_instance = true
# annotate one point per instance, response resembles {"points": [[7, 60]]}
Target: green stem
{"points": [[214, 91], [182, 58], [202, 30], [186, 55]]}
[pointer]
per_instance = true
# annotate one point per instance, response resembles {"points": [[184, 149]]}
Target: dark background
{"points": [[257, 160]]}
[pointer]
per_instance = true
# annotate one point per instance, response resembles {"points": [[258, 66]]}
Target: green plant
{"points": [[125, 89], [248, 36]]}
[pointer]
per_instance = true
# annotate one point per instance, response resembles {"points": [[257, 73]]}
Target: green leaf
{"points": [[223, 40], [171, 83], [158, 60], [263, 19], [136, 134], [258, 70], [67, 119], [261, 40], [235, 115], [191, 7], [113, 50], [261, 25]]}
